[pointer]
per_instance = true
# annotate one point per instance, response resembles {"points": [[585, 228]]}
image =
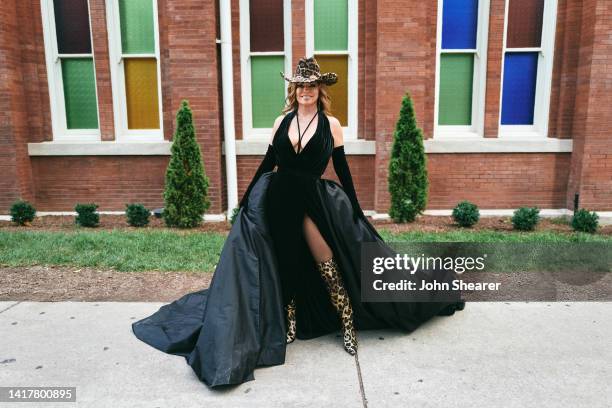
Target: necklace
{"points": [[300, 134]]}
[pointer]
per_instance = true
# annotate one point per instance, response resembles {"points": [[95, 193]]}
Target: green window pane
{"points": [[137, 26], [80, 93], [267, 91], [331, 25], [456, 77]]}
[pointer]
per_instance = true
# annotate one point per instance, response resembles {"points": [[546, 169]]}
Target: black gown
{"points": [[238, 323]]}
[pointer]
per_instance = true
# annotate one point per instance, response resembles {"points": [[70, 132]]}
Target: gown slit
{"points": [[237, 324]]}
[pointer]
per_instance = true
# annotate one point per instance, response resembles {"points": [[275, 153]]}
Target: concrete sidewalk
{"points": [[489, 355]]}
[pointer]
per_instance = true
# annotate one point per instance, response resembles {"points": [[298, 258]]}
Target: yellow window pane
{"points": [[339, 91], [141, 93]]}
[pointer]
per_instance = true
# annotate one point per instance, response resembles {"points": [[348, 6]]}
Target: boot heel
{"points": [[291, 322]]}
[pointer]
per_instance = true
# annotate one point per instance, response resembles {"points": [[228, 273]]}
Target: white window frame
{"points": [[350, 131], [53, 61], [122, 133], [539, 129], [479, 80], [248, 131]]}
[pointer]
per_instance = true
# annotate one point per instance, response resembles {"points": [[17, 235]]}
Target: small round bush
{"points": [[137, 215], [526, 218], [585, 221], [87, 215], [22, 212], [466, 214]]}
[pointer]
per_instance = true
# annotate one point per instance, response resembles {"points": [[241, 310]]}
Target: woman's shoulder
{"points": [[279, 119], [333, 121], [277, 123], [336, 130]]}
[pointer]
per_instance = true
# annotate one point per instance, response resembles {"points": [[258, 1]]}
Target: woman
{"points": [[290, 266]]}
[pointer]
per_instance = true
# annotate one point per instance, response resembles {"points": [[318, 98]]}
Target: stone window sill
{"points": [[100, 148]]}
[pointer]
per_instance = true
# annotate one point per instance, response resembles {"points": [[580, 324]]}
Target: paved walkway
{"points": [[489, 355]]}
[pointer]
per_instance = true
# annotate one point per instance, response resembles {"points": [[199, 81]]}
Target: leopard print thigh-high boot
{"points": [[291, 327], [340, 299]]}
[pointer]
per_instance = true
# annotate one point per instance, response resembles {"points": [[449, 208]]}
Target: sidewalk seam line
{"points": [[11, 306], [361, 388]]}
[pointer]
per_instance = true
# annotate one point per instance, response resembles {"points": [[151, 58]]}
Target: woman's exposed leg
{"points": [[318, 247], [330, 273]]}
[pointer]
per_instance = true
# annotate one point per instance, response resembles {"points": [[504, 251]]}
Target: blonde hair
{"points": [[323, 101]]}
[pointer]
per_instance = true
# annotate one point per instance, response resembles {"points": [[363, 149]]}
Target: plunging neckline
{"points": [[309, 140]]}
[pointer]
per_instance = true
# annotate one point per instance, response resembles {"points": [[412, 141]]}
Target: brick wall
{"points": [[522, 179], [236, 69], [591, 167], [367, 71], [494, 66], [97, 12], [17, 69], [563, 95], [109, 181]]}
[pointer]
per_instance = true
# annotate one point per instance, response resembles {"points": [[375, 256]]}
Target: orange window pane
{"points": [[141, 93], [339, 91]]}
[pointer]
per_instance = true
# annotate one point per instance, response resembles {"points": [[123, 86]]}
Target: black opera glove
{"points": [[267, 164], [344, 174]]}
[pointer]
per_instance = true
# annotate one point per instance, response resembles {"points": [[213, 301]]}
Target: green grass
{"points": [[194, 252], [119, 250]]}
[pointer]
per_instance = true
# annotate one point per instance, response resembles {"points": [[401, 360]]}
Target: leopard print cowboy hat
{"points": [[308, 70]]}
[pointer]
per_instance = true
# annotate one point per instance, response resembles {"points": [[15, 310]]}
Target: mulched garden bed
{"points": [[424, 223], [61, 283], [430, 223], [107, 222]]}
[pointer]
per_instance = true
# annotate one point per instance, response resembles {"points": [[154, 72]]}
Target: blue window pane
{"points": [[520, 74], [459, 24]]}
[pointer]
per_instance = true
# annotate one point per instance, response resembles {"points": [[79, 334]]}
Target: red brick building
{"points": [[511, 95]]}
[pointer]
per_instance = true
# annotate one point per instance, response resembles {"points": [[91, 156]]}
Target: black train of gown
{"points": [[238, 323]]}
